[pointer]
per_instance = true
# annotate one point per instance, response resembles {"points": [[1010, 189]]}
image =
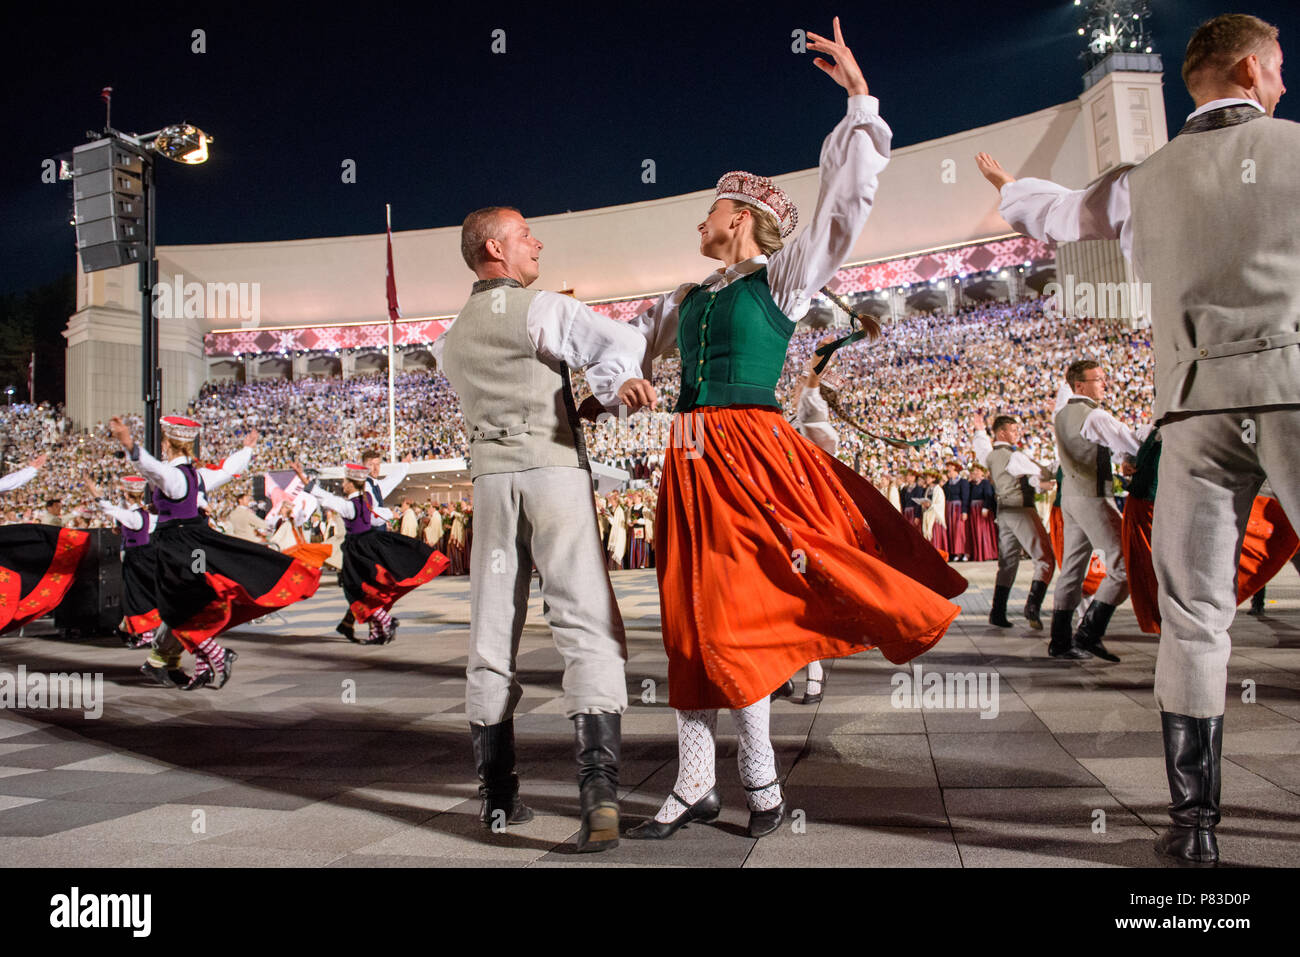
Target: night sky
{"points": [[439, 125]]}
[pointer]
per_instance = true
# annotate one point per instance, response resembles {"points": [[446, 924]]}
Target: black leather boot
{"points": [[1034, 604], [347, 627], [597, 743], [1063, 644], [1093, 626], [494, 753], [1257, 603], [998, 615], [1193, 759]]}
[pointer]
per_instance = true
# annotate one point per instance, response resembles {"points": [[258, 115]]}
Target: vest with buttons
{"points": [[516, 404], [1013, 491], [1085, 465], [733, 345]]}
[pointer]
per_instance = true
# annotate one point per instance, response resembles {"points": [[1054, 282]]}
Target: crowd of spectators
{"points": [[923, 380]]}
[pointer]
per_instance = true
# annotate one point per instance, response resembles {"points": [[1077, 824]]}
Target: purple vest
{"points": [[134, 538], [179, 509], [361, 522]]}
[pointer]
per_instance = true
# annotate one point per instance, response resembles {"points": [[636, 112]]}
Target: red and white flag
{"points": [[106, 94]]}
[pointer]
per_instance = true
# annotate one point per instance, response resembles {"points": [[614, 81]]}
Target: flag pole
{"points": [[392, 323]]}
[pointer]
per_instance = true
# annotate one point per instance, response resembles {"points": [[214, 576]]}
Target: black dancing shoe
{"points": [[704, 810], [814, 698], [227, 664], [763, 823], [348, 631], [167, 677], [200, 679], [785, 691]]}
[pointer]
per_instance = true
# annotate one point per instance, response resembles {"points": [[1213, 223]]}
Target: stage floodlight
{"points": [[183, 143]]}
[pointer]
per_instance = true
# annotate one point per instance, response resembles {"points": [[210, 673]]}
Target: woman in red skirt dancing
{"points": [[772, 554], [206, 582], [37, 562]]}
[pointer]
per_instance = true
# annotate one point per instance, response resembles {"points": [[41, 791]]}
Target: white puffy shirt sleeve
{"points": [[165, 477], [852, 157], [127, 518], [343, 506], [235, 464], [16, 479], [1104, 429], [1051, 212], [982, 445], [562, 329], [392, 479]]}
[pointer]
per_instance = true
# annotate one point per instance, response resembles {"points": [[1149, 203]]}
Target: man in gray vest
{"points": [[507, 355], [1016, 478], [1212, 222], [1086, 435]]}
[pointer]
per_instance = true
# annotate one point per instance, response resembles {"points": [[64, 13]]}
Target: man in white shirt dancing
{"points": [[1086, 435], [1221, 252], [1016, 479], [507, 355]]}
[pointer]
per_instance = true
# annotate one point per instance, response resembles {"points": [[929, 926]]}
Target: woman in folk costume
{"points": [[379, 565], [983, 501], [639, 556], [616, 544], [933, 521], [457, 543], [139, 564], [1268, 544], [207, 582], [37, 562], [772, 554]]}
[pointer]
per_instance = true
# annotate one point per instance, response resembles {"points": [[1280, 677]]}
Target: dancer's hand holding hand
{"points": [[845, 70], [408, 457], [993, 171], [38, 461], [119, 430], [977, 422], [251, 438], [93, 489], [297, 470], [636, 394]]}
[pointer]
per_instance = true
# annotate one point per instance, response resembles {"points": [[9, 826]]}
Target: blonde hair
{"points": [[767, 231], [180, 448]]}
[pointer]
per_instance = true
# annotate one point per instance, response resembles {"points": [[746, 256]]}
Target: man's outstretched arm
{"points": [[1048, 211]]}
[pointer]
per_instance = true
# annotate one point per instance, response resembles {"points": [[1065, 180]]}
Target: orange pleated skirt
{"points": [[1269, 544], [772, 554]]}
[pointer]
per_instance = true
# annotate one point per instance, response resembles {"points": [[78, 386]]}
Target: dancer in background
{"points": [[136, 524], [207, 582], [37, 562], [378, 488], [1016, 478], [379, 566]]}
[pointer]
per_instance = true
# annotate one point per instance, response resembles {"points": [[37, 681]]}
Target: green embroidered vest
{"points": [[732, 344]]}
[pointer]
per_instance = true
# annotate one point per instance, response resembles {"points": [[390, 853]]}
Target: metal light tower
{"points": [[113, 209]]}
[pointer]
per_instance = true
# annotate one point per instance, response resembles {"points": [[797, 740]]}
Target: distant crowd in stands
{"points": [[924, 380]]}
